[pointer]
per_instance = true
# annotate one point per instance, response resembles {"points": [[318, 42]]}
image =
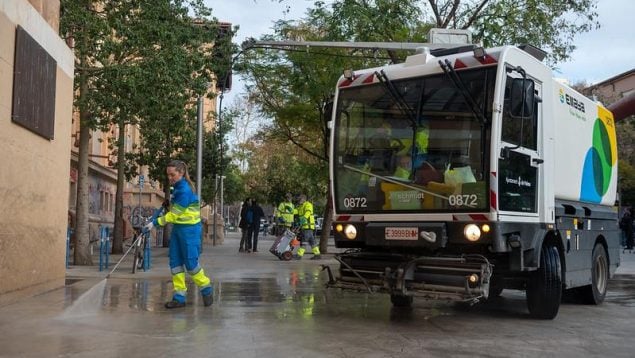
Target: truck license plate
{"points": [[402, 233]]}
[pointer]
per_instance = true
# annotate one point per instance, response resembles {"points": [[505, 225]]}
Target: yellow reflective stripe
{"points": [[189, 215], [200, 279], [178, 280], [177, 209]]}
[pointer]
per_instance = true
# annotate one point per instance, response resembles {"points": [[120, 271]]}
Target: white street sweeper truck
{"points": [[465, 171]]}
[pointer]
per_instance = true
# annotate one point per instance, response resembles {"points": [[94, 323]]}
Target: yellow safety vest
{"points": [[306, 211], [184, 209], [285, 211]]}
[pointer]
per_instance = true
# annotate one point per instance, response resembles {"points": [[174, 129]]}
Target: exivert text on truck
{"points": [[463, 172]]}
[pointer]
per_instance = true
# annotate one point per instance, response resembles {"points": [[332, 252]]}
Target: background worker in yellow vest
{"points": [[284, 214], [307, 225], [185, 239]]}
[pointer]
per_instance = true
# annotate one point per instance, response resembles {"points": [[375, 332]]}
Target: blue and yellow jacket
{"points": [[185, 208]]}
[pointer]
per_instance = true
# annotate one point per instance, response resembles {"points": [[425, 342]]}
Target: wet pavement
{"points": [[264, 307]]}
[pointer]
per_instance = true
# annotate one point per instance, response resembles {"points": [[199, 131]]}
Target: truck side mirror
{"points": [[522, 98]]}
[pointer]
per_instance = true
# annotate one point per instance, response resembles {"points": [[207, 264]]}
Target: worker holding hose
{"points": [[185, 241]]}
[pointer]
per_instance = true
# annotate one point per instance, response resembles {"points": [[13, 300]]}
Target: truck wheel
{"points": [[595, 292], [544, 287], [401, 300]]}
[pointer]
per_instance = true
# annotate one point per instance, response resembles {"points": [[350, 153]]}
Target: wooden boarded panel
{"points": [[34, 82]]}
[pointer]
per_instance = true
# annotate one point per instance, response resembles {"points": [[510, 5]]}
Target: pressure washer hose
{"points": [[155, 215], [124, 255]]}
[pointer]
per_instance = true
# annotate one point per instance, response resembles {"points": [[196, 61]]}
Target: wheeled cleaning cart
{"points": [[283, 245]]}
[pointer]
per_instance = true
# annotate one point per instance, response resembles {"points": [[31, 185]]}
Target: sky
{"points": [[600, 54]]}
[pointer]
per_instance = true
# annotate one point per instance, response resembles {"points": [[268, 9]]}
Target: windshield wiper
{"points": [[394, 93], [456, 80]]}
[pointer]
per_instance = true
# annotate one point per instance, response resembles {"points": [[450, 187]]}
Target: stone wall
{"points": [[34, 179]]}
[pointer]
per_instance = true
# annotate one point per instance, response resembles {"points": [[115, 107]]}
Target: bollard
{"points": [[146, 255], [69, 232], [101, 248], [104, 248], [107, 253]]}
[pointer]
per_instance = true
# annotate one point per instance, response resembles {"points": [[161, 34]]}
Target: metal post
{"points": [[107, 253], [146, 255], [101, 248], [69, 232], [199, 147], [139, 214], [222, 211], [214, 212], [104, 247]]}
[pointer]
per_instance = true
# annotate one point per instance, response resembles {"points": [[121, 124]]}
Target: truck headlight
{"points": [[472, 232], [350, 232]]}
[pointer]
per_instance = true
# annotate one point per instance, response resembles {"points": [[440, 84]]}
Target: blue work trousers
{"points": [[185, 246]]}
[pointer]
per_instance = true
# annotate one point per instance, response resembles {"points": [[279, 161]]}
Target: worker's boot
{"points": [[316, 253], [174, 304], [208, 296], [208, 300]]}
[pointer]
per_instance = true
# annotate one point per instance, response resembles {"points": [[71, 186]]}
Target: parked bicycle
{"points": [[141, 241]]}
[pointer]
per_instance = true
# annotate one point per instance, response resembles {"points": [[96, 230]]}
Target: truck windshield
{"points": [[387, 161]]}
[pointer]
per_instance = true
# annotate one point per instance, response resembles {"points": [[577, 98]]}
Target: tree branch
{"points": [[289, 135], [435, 10], [475, 14], [455, 7]]}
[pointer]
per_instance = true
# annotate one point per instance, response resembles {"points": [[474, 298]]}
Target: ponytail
{"points": [[181, 167]]}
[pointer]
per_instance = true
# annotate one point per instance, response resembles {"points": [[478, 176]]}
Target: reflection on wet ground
{"points": [[275, 309], [621, 291]]}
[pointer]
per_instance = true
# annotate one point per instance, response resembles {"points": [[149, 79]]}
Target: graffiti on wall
{"points": [[101, 194]]}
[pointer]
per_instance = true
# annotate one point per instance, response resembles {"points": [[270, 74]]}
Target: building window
{"points": [[34, 80]]}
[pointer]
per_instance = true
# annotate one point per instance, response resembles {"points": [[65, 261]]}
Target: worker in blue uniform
{"points": [[185, 241]]}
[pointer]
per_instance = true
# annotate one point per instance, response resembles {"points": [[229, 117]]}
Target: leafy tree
{"points": [[82, 23], [215, 158], [550, 25], [277, 168], [626, 183], [185, 65], [294, 87], [139, 62]]}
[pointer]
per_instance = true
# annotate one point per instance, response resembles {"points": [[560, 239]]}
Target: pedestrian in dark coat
{"points": [[254, 228], [244, 225]]}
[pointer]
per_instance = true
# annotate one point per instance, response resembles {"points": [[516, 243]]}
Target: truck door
{"points": [[519, 165]]}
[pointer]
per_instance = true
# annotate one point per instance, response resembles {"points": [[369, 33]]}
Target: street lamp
{"points": [[199, 146], [222, 178], [215, 212]]}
